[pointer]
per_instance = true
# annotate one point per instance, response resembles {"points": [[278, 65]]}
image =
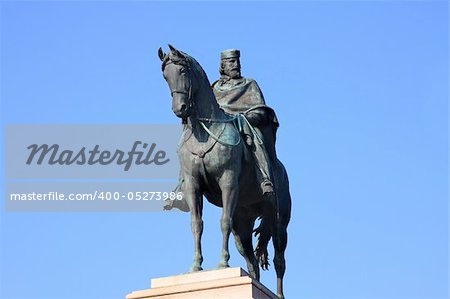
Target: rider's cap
{"points": [[232, 53]]}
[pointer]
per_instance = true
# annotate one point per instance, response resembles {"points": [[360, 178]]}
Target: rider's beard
{"points": [[234, 73]]}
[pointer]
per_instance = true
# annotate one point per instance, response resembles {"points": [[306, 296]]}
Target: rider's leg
{"points": [[263, 164]]}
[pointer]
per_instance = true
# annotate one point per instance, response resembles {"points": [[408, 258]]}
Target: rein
{"points": [[202, 120], [216, 138], [239, 127]]}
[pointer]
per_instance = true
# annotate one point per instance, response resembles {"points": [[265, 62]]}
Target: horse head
{"points": [[178, 74]]}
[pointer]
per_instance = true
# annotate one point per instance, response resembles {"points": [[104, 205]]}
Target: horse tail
{"points": [[280, 215], [263, 233]]}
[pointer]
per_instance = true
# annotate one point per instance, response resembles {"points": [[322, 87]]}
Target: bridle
{"points": [[190, 102], [186, 65]]}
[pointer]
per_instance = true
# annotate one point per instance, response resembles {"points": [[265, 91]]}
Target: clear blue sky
{"points": [[360, 88]]}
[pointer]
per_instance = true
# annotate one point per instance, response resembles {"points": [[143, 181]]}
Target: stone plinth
{"points": [[230, 283]]}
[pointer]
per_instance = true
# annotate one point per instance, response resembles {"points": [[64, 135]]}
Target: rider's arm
{"points": [[257, 117]]}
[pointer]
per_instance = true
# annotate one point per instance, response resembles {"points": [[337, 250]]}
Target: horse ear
{"points": [[175, 51], [161, 54]]}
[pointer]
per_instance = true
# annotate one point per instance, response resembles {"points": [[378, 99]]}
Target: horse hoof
{"points": [[223, 265], [196, 269]]}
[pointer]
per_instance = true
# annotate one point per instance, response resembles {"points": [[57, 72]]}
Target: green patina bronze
{"points": [[227, 155]]}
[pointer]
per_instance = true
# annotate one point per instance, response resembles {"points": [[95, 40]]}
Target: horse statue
{"points": [[216, 164]]}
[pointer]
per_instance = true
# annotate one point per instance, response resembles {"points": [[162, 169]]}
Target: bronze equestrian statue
{"points": [[217, 163]]}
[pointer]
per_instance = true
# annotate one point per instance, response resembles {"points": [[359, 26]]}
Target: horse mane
{"points": [[197, 68], [186, 61]]}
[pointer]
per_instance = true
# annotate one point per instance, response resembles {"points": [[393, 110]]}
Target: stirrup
{"points": [[267, 188], [248, 139]]}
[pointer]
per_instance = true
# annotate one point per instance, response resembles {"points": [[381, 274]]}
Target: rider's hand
{"points": [[255, 117]]}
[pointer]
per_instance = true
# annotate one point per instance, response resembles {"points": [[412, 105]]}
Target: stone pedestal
{"points": [[231, 283]]}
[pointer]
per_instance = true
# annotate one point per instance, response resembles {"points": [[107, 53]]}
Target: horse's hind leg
{"points": [[195, 202], [242, 231], [280, 243]]}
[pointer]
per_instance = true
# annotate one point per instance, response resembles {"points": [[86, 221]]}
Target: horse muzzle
{"points": [[180, 108]]}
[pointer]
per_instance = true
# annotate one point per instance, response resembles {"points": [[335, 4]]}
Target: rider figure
{"points": [[238, 95]]}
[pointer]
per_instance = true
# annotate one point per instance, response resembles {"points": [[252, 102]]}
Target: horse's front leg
{"points": [[242, 231], [194, 199], [230, 192]]}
